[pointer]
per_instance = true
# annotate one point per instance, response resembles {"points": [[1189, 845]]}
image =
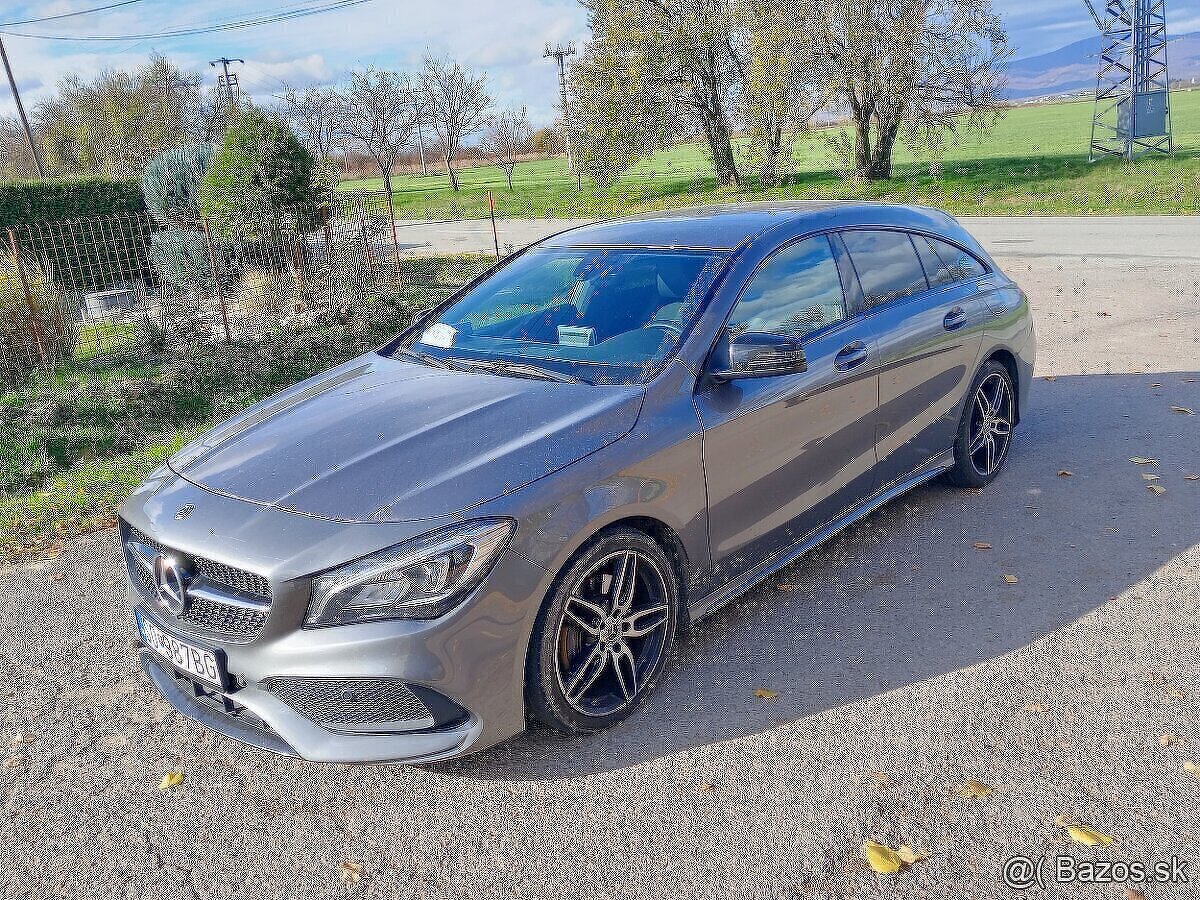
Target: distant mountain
{"points": [[1073, 67]]}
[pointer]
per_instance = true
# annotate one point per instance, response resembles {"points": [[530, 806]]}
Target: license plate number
{"points": [[184, 656]]}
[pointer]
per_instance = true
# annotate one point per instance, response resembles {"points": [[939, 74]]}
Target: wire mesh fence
{"points": [[119, 339], [85, 288]]}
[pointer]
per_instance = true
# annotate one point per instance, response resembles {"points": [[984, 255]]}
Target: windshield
{"points": [[606, 316]]}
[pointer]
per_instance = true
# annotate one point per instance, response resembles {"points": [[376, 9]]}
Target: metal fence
{"points": [[86, 288]]}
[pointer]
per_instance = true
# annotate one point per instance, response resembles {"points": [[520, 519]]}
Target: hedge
{"points": [[53, 200]]}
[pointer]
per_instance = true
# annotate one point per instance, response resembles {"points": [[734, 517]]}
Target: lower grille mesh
{"points": [[351, 704]]}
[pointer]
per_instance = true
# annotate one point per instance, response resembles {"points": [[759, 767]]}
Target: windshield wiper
{"points": [[423, 358], [521, 370]]}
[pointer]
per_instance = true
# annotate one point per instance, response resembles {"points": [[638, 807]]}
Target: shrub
{"points": [[171, 185], [52, 200], [57, 328], [262, 173]]}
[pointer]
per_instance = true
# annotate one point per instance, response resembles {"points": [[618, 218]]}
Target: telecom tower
{"points": [[1132, 113]]}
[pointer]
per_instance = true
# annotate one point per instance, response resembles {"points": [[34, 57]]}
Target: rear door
{"points": [[784, 454], [922, 300]]}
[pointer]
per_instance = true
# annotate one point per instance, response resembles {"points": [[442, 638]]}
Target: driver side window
{"points": [[794, 293]]}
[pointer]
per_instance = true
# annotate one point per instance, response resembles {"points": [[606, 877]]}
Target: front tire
{"points": [[604, 635], [985, 429]]}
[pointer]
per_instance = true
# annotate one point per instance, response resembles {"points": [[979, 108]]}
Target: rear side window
{"points": [[887, 265], [795, 292], [956, 264]]}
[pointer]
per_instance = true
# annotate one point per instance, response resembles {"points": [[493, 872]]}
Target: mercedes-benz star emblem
{"points": [[172, 582], [185, 511]]}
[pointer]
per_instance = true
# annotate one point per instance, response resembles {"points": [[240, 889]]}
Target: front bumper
{"points": [[473, 657]]}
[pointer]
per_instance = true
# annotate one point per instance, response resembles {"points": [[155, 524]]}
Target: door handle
{"points": [[851, 355], [955, 319]]}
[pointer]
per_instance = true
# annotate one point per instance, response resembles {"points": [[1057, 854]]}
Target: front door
{"points": [[785, 454]]}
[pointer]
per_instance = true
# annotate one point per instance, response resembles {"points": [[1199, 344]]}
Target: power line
{"points": [[295, 13], [81, 12]]}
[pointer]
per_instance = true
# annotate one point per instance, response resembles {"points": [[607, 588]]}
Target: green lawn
{"points": [[1033, 162]]}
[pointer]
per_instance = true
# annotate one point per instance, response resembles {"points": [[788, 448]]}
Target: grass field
{"points": [[1034, 162]]}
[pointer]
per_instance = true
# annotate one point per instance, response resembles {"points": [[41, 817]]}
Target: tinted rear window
{"points": [[887, 265], [959, 264]]}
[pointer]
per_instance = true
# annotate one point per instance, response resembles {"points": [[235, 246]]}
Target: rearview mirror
{"points": [[757, 354]]}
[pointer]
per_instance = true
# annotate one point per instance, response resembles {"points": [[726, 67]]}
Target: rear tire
{"points": [[986, 428], [604, 635]]}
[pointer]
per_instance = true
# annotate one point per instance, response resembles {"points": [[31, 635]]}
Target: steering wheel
{"points": [[665, 326]]}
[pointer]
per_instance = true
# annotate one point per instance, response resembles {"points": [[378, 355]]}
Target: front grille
{"points": [[352, 704], [224, 619], [243, 582], [204, 614]]}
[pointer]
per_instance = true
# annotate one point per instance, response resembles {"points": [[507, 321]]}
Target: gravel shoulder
{"points": [[903, 662]]}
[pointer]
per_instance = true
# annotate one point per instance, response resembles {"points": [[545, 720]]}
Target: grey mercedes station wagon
{"points": [[511, 511]]}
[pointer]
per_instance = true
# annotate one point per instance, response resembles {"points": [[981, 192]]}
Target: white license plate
{"points": [[182, 655]]}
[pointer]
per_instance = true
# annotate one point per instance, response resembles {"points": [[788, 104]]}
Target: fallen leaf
{"points": [[1176, 694], [909, 856], [351, 872], [1150, 476], [12, 762], [785, 587], [1190, 766], [1036, 707], [706, 786], [975, 789], [1011, 579], [1064, 473], [1085, 834], [881, 859], [1134, 894], [1156, 488], [1182, 410], [881, 777], [59, 576], [170, 780], [1143, 461], [764, 694], [1168, 739], [1063, 820], [982, 545]]}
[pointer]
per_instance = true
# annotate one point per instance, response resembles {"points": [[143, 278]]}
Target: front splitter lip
{"points": [[290, 734]]}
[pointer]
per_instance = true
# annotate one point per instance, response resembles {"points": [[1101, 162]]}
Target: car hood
{"points": [[382, 440]]}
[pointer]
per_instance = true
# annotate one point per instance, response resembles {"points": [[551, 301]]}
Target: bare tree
{"points": [[115, 123], [313, 114], [377, 113], [918, 68], [456, 103], [507, 137]]}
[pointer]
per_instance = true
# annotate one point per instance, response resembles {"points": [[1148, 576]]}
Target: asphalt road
{"points": [[903, 661]]}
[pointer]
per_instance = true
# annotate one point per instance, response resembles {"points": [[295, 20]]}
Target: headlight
{"points": [[420, 579]]}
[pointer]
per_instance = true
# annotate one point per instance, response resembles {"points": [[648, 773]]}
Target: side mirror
{"points": [[756, 354]]}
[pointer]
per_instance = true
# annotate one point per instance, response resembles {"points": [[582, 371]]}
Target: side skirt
{"points": [[713, 601]]}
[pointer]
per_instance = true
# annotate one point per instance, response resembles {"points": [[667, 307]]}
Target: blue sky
{"points": [[506, 44]]}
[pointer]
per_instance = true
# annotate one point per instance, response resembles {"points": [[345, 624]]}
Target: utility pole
{"points": [[12, 83], [421, 138], [224, 62], [560, 53]]}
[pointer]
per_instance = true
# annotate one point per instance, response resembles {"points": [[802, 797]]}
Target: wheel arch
{"points": [[1005, 358]]}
